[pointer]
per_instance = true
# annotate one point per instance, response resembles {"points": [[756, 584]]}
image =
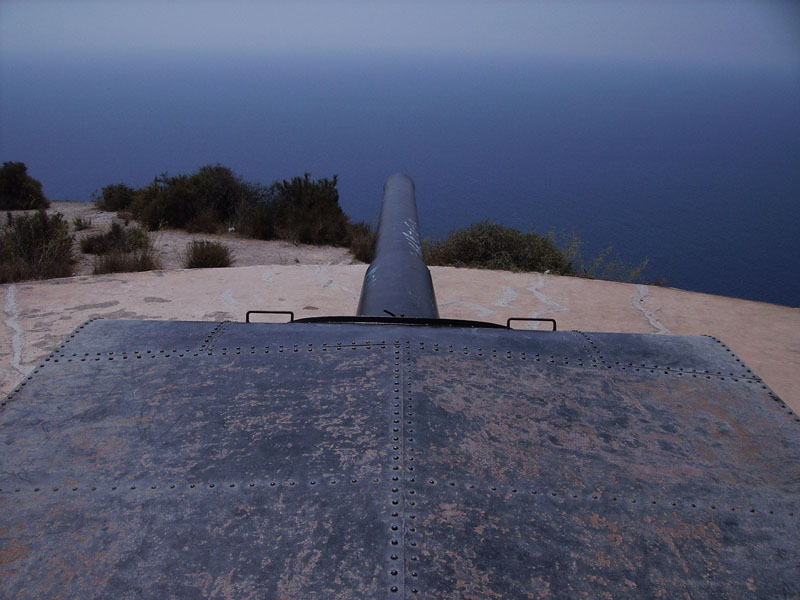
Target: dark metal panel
{"points": [[702, 354], [186, 417], [101, 336], [498, 543], [390, 461], [583, 428], [328, 541]]}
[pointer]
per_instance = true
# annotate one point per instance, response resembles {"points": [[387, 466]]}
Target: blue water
{"points": [[696, 169]]}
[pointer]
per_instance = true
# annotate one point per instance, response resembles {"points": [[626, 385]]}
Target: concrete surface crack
{"points": [[508, 297], [12, 321], [638, 303], [554, 307]]}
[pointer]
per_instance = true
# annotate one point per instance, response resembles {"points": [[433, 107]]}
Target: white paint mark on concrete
{"points": [[228, 299], [327, 281], [267, 276], [12, 321], [507, 299], [639, 304], [553, 306], [481, 310]]}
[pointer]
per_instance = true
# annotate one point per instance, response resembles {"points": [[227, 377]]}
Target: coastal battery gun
{"points": [[394, 454]]}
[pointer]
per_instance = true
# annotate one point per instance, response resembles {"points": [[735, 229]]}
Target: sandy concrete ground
{"points": [[37, 316]]}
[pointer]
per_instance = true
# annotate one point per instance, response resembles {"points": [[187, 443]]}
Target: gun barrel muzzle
{"points": [[398, 282]]}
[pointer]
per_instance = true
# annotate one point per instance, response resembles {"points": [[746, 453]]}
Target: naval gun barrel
{"points": [[398, 283]]}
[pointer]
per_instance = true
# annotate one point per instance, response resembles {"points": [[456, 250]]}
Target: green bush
{"points": [[80, 223], [608, 265], [117, 261], [257, 220], [115, 197], [214, 193], [489, 246], [301, 209], [205, 254], [18, 190], [362, 241], [118, 238], [205, 222], [165, 203], [308, 211], [36, 246], [220, 191]]}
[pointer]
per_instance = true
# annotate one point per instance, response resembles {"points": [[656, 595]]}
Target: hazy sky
{"points": [[753, 34]]}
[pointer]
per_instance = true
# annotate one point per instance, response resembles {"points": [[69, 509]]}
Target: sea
{"points": [[694, 168]]}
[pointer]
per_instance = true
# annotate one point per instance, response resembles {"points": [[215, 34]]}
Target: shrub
{"points": [[219, 191], [256, 219], [37, 246], [117, 261], [603, 266], [80, 224], [308, 211], [115, 197], [489, 246], [362, 241], [205, 254], [301, 209], [213, 193], [205, 222], [118, 238], [144, 206], [18, 190], [166, 203]]}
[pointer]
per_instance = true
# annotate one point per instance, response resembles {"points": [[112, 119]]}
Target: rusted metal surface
{"points": [[192, 460]]}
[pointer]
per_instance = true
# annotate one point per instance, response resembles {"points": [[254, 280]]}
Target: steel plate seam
{"points": [[784, 506]]}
